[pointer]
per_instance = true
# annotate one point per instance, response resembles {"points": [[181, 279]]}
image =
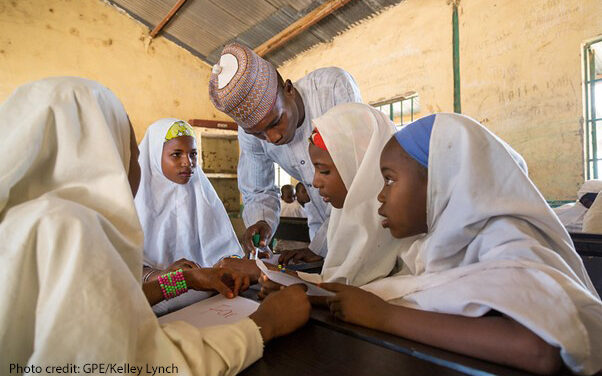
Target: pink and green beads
{"points": [[172, 284]]}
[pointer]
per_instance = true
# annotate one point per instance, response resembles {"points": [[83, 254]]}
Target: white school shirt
{"points": [[293, 209]]}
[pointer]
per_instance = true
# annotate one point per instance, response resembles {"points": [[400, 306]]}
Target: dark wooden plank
{"points": [[203, 123], [593, 265], [317, 350], [587, 244], [291, 228], [436, 361], [435, 356]]}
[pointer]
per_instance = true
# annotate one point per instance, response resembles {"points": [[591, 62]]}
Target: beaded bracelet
{"points": [[172, 284]]}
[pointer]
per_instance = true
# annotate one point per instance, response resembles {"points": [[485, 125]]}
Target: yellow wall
{"points": [[92, 39], [520, 69], [402, 49]]}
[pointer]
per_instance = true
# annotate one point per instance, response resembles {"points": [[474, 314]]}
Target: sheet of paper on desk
{"points": [[217, 310], [287, 280], [272, 260]]}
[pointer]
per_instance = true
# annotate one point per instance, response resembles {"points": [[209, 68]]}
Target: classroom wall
{"points": [[520, 71], [92, 39]]}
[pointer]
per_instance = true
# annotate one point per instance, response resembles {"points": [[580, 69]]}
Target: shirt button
{"points": [[302, 162]]}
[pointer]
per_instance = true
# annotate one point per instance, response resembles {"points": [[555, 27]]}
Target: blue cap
{"points": [[415, 139]]}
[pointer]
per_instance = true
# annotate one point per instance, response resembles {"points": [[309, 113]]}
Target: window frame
{"points": [[589, 108], [408, 97]]}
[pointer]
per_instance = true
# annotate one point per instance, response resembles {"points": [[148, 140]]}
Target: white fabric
{"points": [[572, 215], [493, 243], [71, 246], [359, 249], [293, 209], [592, 221], [179, 220]]}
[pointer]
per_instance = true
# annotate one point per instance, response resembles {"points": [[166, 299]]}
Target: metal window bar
{"points": [[592, 86], [591, 118], [390, 107]]}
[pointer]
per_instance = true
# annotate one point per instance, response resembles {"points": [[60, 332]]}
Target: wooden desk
{"points": [[291, 228], [587, 244], [326, 346], [317, 350]]}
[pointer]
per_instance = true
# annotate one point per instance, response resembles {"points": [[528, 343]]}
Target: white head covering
{"points": [[68, 226], [592, 220], [179, 220], [493, 243], [359, 249], [55, 104], [71, 244], [572, 215]]}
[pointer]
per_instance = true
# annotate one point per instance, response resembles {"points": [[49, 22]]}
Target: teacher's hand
{"points": [[263, 229]]}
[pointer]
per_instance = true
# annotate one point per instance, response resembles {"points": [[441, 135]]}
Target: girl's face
{"points": [[326, 177], [403, 196], [178, 160]]}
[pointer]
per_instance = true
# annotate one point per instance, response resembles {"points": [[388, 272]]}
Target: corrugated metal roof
{"points": [[205, 26]]}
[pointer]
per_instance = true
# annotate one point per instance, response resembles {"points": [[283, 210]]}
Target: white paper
{"points": [[217, 310], [314, 278], [273, 259], [287, 280]]}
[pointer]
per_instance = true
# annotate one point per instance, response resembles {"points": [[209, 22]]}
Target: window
{"points": [[401, 110], [592, 59]]}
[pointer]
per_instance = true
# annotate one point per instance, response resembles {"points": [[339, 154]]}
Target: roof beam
{"points": [[299, 26], [166, 19]]}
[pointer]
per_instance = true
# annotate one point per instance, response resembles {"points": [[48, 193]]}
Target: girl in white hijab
{"points": [[573, 215], [71, 248], [494, 274], [345, 149], [184, 221], [181, 214]]}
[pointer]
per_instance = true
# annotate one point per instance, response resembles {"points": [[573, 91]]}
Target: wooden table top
{"points": [[327, 346]]}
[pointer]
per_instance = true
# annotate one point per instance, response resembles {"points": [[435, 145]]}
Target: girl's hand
{"points": [[267, 286], [151, 274], [227, 282], [245, 266], [181, 264], [282, 312], [298, 255], [356, 306]]}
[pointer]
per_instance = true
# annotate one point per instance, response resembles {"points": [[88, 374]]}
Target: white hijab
{"points": [[71, 245], [493, 243], [359, 249], [69, 228], [572, 215], [179, 220], [592, 220]]}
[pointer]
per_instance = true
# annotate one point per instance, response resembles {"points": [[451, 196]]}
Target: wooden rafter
{"points": [[166, 19], [299, 26]]}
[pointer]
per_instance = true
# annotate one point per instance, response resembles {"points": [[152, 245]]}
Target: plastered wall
{"points": [[520, 71], [92, 39]]}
